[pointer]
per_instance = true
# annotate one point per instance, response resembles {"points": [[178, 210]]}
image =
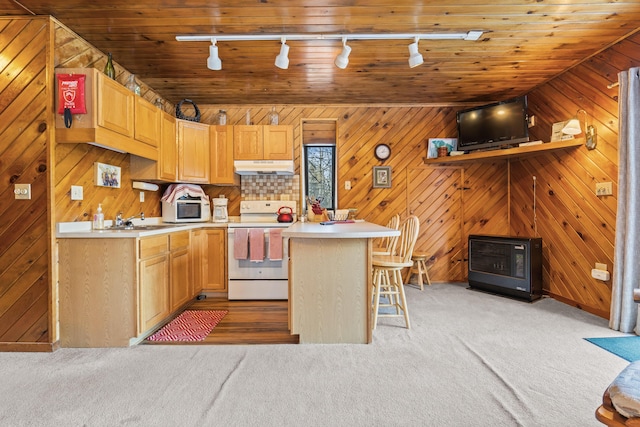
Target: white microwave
{"points": [[186, 210]]}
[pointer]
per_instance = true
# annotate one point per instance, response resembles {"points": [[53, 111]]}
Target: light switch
{"points": [[22, 191], [76, 192], [604, 189], [142, 196], [347, 185]]}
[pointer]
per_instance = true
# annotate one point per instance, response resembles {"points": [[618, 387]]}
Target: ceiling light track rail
{"points": [[469, 35]]}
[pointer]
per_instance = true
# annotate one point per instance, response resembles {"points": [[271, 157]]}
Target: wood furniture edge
{"points": [[506, 153]]}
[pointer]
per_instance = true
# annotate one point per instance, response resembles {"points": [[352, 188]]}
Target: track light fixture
{"points": [[214, 62], [282, 60], [415, 58], [342, 60]]}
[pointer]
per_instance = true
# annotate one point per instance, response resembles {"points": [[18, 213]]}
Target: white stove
{"points": [[263, 214], [267, 277]]}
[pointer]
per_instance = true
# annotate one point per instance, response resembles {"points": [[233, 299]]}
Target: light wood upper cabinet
{"points": [[147, 122], [115, 106], [110, 121], [247, 142], [263, 142], [221, 149], [193, 152], [278, 142], [168, 161]]}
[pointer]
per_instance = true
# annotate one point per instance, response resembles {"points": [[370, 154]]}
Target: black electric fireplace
{"points": [[505, 265]]}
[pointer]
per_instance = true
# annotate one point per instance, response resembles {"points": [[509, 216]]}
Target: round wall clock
{"points": [[382, 151]]}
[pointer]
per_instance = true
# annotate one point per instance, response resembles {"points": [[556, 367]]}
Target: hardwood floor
{"points": [[247, 322]]}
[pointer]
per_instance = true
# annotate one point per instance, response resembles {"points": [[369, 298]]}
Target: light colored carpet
{"points": [[470, 359]]}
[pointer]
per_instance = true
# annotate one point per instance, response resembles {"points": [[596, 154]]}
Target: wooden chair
{"points": [[419, 267], [387, 273], [386, 245]]}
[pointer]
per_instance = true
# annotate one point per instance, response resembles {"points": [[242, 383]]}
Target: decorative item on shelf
{"points": [[573, 127], [273, 116], [109, 69], [158, 103], [132, 84], [221, 117], [248, 118], [180, 114], [435, 144]]}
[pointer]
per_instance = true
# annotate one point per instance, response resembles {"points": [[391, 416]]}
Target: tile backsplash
{"points": [[270, 187]]}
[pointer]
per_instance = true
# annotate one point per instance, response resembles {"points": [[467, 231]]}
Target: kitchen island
{"points": [[330, 280]]}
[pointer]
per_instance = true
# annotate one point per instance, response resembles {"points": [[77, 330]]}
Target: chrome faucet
{"points": [[127, 222]]}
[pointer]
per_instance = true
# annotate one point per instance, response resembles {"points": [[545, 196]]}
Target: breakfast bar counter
{"points": [[330, 280]]}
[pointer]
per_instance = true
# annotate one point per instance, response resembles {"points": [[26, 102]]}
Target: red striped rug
{"points": [[191, 325]]}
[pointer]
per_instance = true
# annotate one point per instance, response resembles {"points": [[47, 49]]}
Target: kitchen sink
{"points": [[143, 227]]}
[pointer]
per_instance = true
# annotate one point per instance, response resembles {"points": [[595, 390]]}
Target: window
{"points": [[320, 174]]}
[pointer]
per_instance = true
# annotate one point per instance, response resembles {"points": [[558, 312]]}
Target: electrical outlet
{"points": [[76, 192], [604, 189], [22, 191], [347, 185], [142, 196]]}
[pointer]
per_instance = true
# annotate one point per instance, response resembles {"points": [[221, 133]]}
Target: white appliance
{"points": [[220, 213], [186, 209], [267, 279]]}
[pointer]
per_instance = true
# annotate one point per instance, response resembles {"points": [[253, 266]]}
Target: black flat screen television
{"points": [[491, 126]]}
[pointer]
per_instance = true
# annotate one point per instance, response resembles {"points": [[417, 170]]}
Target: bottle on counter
{"points": [[109, 70], [98, 218]]}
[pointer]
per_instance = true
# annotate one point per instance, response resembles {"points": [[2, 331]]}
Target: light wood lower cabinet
{"points": [[114, 292], [181, 285], [210, 265]]}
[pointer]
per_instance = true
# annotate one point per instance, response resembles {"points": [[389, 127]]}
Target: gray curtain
{"points": [[626, 263]]}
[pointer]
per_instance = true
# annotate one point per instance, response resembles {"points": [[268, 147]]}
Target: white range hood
{"points": [[263, 167]]}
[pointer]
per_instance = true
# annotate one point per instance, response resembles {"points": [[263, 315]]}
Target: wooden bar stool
{"points": [[419, 267]]}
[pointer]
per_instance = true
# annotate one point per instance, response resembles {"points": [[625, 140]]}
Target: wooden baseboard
{"points": [[31, 347], [592, 310]]}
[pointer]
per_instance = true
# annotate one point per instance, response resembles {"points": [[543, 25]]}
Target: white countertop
{"points": [[356, 230], [83, 229]]}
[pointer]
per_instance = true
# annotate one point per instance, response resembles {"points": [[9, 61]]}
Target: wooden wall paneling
{"points": [[435, 198], [26, 272]]}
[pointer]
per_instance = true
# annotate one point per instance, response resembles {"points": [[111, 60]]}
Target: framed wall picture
{"points": [[382, 177], [434, 143], [107, 175]]}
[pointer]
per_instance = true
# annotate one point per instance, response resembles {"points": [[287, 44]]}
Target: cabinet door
{"points": [[147, 122], [168, 159], [214, 265], [198, 239], [180, 278], [154, 292], [221, 146], [278, 142], [115, 106], [193, 152], [248, 142]]}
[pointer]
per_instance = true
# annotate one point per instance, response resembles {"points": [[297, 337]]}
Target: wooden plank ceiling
{"points": [[525, 43]]}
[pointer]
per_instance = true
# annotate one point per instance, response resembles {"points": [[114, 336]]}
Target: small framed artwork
{"points": [[107, 175], [382, 177], [435, 143]]}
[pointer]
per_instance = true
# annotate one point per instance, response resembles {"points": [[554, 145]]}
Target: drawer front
{"points": [[180, 239], [155, 245]]}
